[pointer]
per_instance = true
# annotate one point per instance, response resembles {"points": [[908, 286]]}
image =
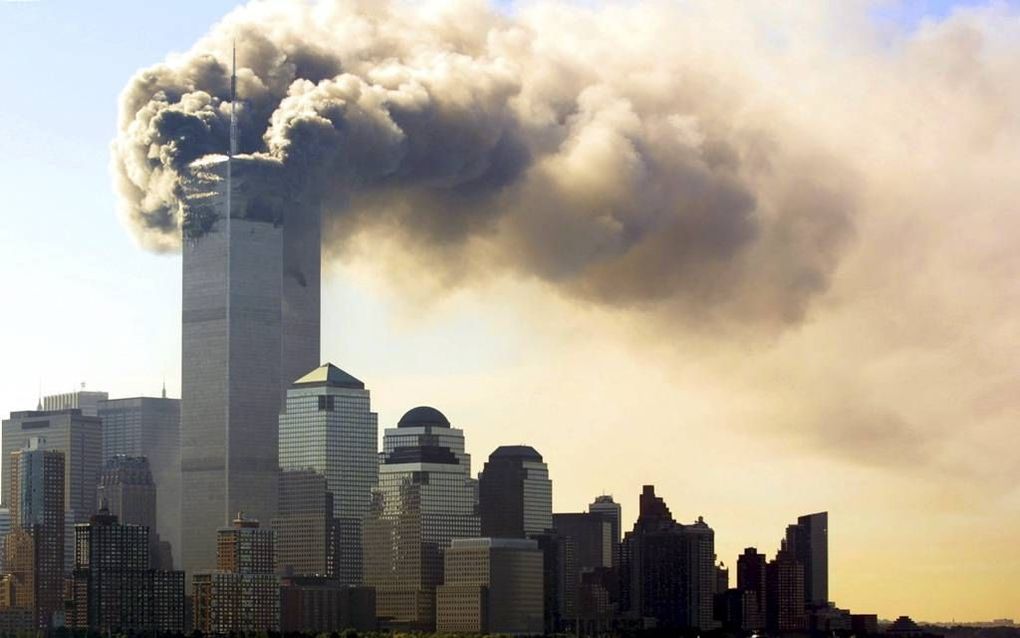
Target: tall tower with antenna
{"points": [[250, 327]]}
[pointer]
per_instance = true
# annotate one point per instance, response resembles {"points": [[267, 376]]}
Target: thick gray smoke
{"points": [[559, 144]]}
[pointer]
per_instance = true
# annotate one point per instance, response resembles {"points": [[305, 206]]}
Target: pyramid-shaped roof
{"points": [[329, 374]]}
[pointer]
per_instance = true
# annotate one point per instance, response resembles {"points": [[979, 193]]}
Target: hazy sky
{"points": [[892, 403]]}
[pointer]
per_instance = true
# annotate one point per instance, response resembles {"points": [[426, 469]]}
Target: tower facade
{"points": [[149, 427], [808, 541], [243, 593], [515, 493], [78, 437], [35, 546], [610, 510], [114, 586], [306, 533], [784, 590], [751, 581], [127, 490], [425, 499], [668, 568], [250, 328], [328, 426], [491, 586]]}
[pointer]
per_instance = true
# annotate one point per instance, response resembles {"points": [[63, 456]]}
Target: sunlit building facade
{"points": [[35, 545], [425, 499], [328, 426], [491, 586], [243, 593]]}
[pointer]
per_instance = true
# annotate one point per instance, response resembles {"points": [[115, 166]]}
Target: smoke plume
{"points": [[588, 148]]}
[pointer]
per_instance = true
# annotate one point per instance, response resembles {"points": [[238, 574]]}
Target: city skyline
{"points": [[867, 442]]}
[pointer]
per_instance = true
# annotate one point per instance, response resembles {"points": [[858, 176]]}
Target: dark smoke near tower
{"points": [[617, 170]]}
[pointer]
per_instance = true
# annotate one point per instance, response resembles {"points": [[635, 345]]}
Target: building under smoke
{"points": [[250, 328]]}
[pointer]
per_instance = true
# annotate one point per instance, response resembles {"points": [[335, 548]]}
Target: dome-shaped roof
{"points": [[522, 452], [421, 416]]}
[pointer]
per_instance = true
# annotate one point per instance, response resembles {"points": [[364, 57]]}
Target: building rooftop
{"points": [[422, 416], [332, 376], [523, 452], [495, 543]]}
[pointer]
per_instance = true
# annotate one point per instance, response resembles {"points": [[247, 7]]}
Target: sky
{"points": [[890, 402]]}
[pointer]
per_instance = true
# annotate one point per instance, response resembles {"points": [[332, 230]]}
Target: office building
{"points": [[784, 591], [114, 586], [87, 401], [515, 493], [250, 327], [668, 568], [149, 427], [722, 578], [129, 493], [588, 541], [611, 510], [702, 578], [492, 586], [79, 438], [751, 579], [35, 545], [307, 535], [808, 540], [243, 593], [328, 426], [425, 499], [735, 609], [5, 529], [311, 605], [558, 566]]}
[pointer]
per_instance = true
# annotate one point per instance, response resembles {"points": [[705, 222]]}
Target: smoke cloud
{"points": [[589, 149]]}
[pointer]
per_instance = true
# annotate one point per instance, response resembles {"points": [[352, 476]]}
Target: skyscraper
{"points": [[668, 568], [588, 577], [751, 579], [5, 529], [515, 493], [306, 542], [78, 437], [784, 590], [149, 427], [611, 510], [491, 586], [808, 540], [425, 499], [129, 494], [251, 302], [243, 593], [114, 585], [328, 426], [35, 546]]}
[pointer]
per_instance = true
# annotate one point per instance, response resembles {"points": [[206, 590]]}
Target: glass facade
{"points": [[80, 439], [425, 499], [35, 547], [515, 493], [328, 426], [306, 532]]}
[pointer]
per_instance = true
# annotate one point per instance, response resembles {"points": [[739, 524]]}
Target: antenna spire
{"points": [[233, 99]]}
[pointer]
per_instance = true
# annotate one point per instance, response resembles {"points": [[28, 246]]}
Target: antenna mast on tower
{"points": [[233, 128]]}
